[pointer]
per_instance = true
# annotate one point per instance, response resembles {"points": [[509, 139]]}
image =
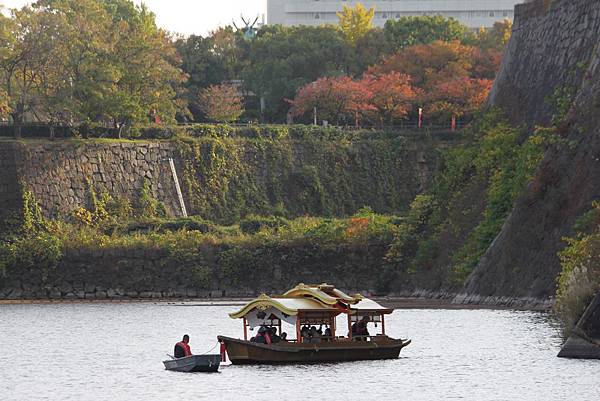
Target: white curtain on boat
{"points": [[257, 318]]}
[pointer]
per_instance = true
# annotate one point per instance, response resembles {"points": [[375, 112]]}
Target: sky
{"points": [[192, 16]]}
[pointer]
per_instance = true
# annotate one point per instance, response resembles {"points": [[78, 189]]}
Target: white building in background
{"points": [[472, 13]]}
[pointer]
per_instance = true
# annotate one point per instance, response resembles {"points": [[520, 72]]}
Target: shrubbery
{"points": [[579, 279], [222, 131], [34, 247], [443, 235]]}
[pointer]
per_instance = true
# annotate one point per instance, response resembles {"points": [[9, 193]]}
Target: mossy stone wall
{"points": [[225, 179]]}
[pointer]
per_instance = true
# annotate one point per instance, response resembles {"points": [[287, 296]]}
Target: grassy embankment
{"points": [[435, 244]]}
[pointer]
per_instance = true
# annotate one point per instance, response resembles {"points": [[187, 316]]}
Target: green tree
{"points": [[210, 60], [4, 109], [410, 31], [368, 50], [496, 37], [356, 21], [32, 37], [283, 59], [74, 61], [145, 67], [78, 82]]}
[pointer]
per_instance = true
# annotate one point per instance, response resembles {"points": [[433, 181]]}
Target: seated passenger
{"points": [[327, 336], [182, 348], [274, 337], [305, 334], [315, 336], [284, 337], [359, 329], [263, 336]]}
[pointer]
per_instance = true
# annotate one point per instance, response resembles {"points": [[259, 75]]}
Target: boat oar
{"points": [[171, 356]]}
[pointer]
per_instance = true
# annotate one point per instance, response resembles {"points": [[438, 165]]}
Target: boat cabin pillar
{"points": [[298, 330]]}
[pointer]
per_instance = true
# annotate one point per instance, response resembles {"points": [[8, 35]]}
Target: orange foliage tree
{"points": [[456, 78], [338, 99], [382, 99], [392, 96], [428, 64], [221, 103], [459, 96], [445, 78]]}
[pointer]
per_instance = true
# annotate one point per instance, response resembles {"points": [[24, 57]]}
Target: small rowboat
{"points": [[194, 363]]}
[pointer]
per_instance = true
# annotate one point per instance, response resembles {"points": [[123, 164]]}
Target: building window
{"points": [[505, 14], [491, 13], [317, 16]]}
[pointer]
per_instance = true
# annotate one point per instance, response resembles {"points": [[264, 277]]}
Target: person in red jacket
{"points": [[182, 348]]}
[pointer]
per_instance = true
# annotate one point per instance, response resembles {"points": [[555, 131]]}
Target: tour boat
{"points": [[312, 305]]}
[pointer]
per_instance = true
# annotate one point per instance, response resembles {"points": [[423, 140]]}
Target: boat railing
{"points": [[369, 338], [325, 339]]}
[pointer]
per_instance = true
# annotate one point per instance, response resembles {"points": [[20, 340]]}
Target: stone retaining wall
{"points": [[59, 173], [551, 47], [10, 193], [555, 45]]}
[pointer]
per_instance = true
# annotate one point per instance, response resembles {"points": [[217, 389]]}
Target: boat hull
{"points": [[242, 352], [194, 363]]}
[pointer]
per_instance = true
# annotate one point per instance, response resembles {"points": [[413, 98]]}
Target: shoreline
{"points": [[407, 303]]}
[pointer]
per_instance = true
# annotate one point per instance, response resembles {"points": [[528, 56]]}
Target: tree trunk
{"points": [[18, 116], [18, 128]]}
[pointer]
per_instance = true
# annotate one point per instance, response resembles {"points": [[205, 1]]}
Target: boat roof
{"points": [[289, 306], [325, 293], [368, 305], [313, 298]]}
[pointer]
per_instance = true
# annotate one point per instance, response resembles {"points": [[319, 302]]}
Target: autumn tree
{"points": [[356, 21], [221, 103], [429, 64], [392, 96], [459, 96], [337, 99], [438, 63]]}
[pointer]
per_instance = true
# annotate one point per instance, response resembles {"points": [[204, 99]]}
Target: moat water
{"points": [[114, 352]]}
